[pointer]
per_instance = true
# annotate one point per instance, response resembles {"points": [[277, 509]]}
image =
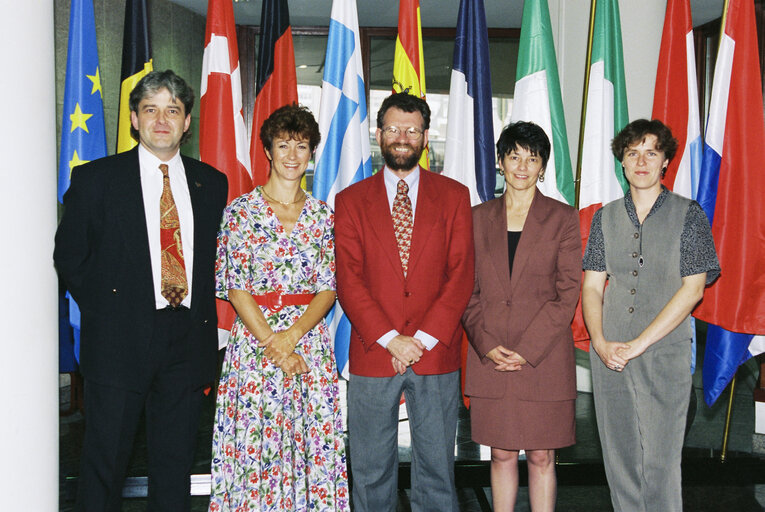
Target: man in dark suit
{"points": [[404, 248], [136, 249]]}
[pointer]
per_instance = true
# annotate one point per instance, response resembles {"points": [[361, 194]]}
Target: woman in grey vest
{"points": [[656, 251]]}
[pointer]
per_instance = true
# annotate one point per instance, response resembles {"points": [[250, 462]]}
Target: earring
{"points": [[501, 172], [542, 177]]}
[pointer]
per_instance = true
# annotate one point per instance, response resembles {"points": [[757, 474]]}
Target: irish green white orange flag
{"points": [[602, 179], [408, 61], [537, 97]]}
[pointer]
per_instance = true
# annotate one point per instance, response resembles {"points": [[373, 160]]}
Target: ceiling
{"points": [[434, 13]]}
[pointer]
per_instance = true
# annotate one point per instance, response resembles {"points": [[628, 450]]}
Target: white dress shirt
{"points": [[151, 187], [391, 188]]}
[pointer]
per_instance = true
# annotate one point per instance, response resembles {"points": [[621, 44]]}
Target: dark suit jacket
{"points": [[530, 313], [102, 255], [370, 282]]}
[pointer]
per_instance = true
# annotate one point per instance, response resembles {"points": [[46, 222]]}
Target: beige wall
{"points": [[177, 39], [641, 22]]}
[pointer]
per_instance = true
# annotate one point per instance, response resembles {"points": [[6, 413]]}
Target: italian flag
{"points": [[602, 179], [538, 98]]}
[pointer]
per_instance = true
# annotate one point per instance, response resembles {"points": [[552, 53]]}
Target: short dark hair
{"points": [[407, 103], [635, 133], [293, 120], [154, 82], [526, 135]]}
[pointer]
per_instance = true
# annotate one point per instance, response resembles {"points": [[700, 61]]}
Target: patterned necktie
{"points": [[174, 284], [403, 223]]}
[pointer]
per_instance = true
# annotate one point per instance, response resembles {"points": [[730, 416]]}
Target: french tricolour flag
{"points": [[343, 156], [731, 191], [469, 153]]}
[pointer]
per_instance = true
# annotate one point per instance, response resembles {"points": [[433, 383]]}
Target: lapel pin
{"points": [[199, 185]]}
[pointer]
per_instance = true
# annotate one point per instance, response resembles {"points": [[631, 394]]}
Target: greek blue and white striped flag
{"points": [[343, 156]]}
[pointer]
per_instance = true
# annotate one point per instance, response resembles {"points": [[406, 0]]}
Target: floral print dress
{"points": [[278, 440]]}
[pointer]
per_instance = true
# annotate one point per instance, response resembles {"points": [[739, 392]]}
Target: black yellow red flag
{"points": [[276, 78], [136, 63]]}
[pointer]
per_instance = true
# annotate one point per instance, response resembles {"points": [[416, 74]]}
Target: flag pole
{"points": [[729, 412], [726, 430], [723, 20], [582, 119]]}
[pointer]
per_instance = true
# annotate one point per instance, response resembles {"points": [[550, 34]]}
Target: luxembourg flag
{"points": [[222, 132], [343, 156], [469, 154], [731, 191], [676, 103], [676, 98], [538, 98], [602, 180]]}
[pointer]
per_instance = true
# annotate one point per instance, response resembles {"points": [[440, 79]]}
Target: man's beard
{"points": [[396, 162]]}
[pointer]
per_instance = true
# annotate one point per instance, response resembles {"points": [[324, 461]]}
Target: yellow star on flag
{"points": [[79, 120], [96, 79], [74, 162]]}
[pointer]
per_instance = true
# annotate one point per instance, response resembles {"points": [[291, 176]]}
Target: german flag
{"points": [[409, 61], [136, 63], [276, 79]]}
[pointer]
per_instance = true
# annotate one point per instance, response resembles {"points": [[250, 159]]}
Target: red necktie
{"points": [[403, 223], [174, 283]]}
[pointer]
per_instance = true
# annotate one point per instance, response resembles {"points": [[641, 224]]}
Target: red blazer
{"points": [[370, 282], [530, 313]]}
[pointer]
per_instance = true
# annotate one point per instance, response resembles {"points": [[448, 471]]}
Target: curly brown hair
{"points": [[635, 133], [293, 120]]}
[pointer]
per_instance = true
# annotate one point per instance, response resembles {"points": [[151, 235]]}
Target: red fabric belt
{"points": [[275, 301]]}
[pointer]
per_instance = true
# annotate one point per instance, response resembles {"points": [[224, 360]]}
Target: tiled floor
{"points": [[737, 486]]}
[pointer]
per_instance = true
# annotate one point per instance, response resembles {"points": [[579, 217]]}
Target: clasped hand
{"points": [[279, 347], [506, 360], [616, 354], [406, 351]]}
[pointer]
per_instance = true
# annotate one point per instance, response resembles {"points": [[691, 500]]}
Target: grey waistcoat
{"points": [[635, 295]]}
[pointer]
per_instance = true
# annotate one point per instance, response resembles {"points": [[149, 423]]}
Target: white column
{"points": [[28, 286]]}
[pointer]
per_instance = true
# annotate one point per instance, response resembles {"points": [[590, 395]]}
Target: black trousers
{"points": [[172, 413]]}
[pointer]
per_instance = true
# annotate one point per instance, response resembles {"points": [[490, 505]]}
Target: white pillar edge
{"points": [[28, 285]]}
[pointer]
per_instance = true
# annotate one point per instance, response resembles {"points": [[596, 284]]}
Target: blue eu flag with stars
{"points": [[83, 138]]}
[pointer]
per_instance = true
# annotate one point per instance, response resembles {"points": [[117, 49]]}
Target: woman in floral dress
{"points": [[278, 437]]}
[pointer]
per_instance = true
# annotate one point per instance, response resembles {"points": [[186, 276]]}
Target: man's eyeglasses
{"points": [[392, 132]]}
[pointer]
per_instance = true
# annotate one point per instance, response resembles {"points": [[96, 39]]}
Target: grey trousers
{"points": [[432, 404], [641, 414]]}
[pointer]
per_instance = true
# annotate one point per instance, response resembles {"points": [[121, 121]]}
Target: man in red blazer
{"points": [[404, 276]]}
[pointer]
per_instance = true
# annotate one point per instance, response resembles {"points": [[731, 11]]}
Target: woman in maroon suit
{"points": [[520, 372]]}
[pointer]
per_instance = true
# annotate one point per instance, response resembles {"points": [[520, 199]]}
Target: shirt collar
{"points": [[148, 160], [391, 180], [629, 205]]}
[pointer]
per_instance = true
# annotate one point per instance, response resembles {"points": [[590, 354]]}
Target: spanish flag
{"points": [[409, 62], [136, 63], [276, 78]]}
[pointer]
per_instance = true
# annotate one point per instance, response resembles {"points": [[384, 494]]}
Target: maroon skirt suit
{"points": [[524, 301]]}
